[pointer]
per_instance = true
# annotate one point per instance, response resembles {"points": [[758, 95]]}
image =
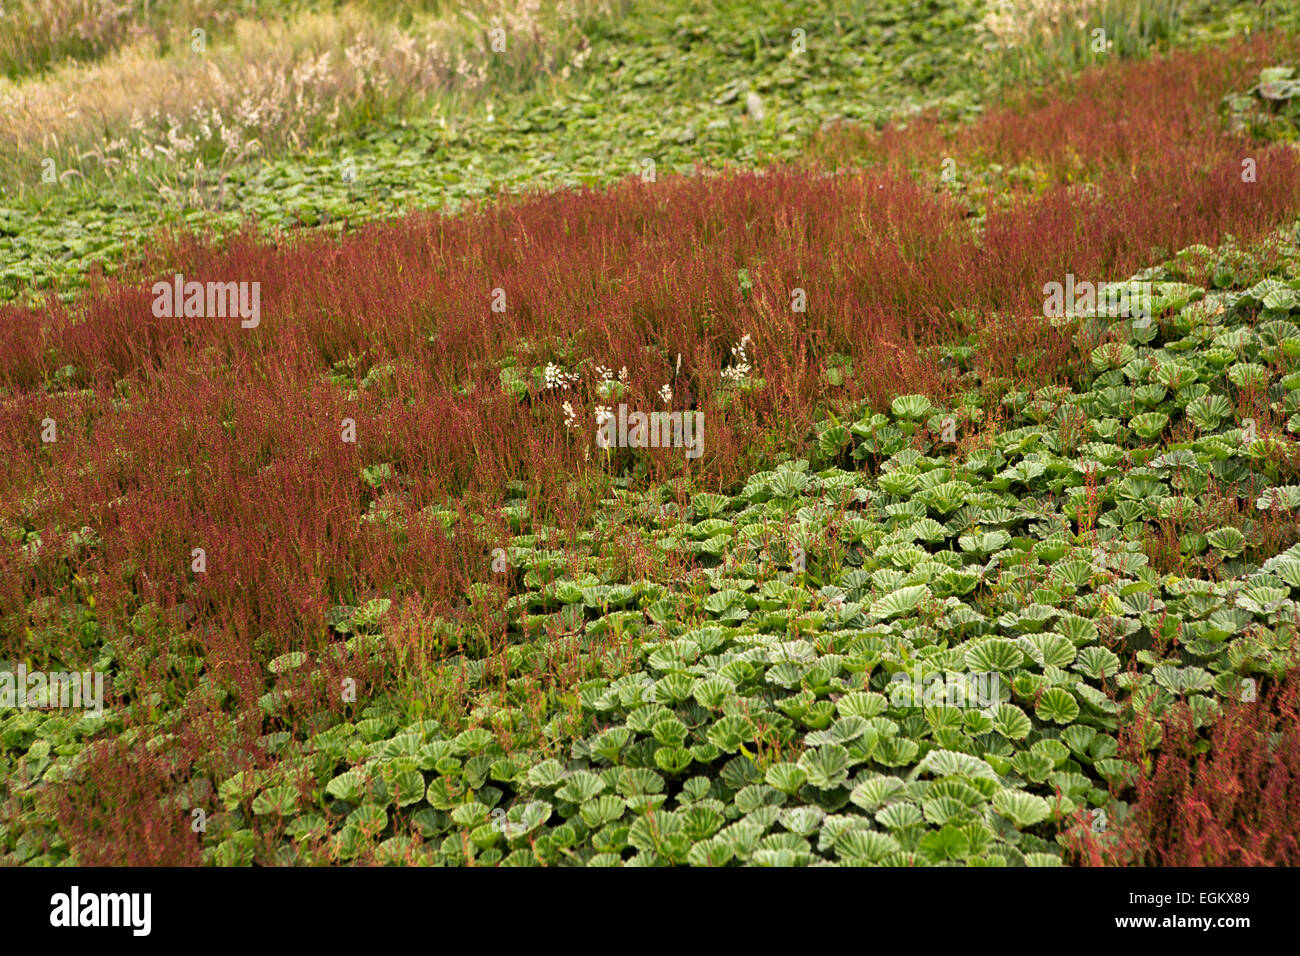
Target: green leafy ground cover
{"points": [[753, 712], [668, 84]]}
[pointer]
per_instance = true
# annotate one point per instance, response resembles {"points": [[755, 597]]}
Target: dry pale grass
{"points": [[1015, 23], [36, 33], [257, 84]]}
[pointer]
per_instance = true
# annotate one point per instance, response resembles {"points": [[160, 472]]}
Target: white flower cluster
{"points": [[557, 377], [740, 370]]}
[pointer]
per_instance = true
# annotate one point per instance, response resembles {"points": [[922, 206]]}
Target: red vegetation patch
{"points": [[1230, 801], [1105, 120], [112, 815]]}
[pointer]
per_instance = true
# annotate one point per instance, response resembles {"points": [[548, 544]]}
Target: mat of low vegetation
{"points": [[901, 651], [916, 569]]}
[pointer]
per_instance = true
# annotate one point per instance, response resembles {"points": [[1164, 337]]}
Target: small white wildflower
{"points": [[666, 393], [230, 138], [570, 417], [741, 369], [622, 375], [556, 377]]}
